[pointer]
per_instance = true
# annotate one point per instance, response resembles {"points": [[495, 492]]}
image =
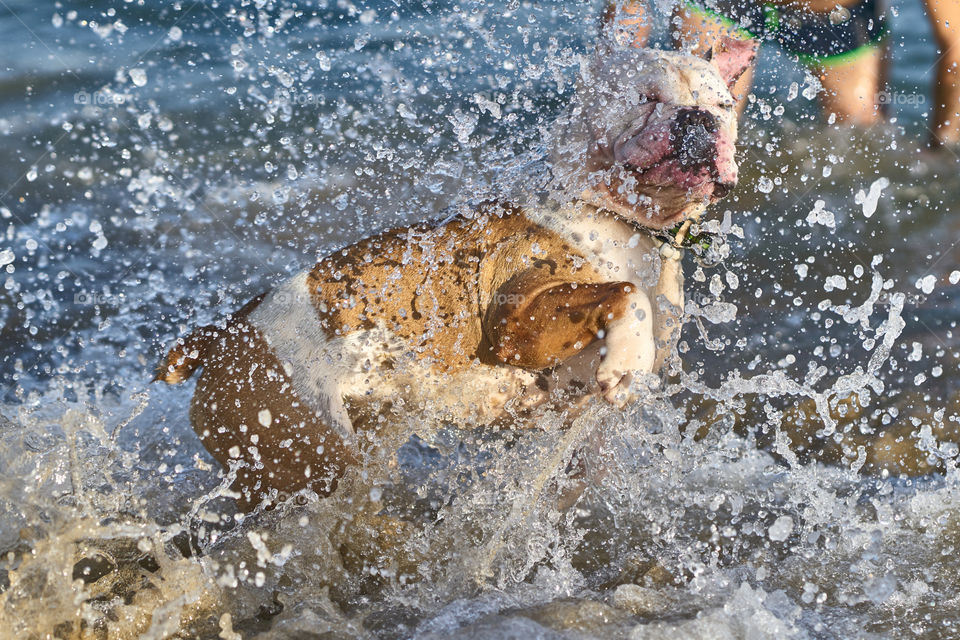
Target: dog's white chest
{"points": [[617, 250]]}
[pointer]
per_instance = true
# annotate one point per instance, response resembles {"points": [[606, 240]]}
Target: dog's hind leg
{"points": [[248, 414]]}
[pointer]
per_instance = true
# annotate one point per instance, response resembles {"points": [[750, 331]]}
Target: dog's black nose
{"points": [[693, 136], [721, 189]]}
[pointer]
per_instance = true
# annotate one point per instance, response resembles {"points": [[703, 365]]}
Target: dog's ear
{"points": [[732, 56]]}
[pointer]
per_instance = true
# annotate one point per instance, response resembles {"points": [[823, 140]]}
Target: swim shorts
{"points": [[819, 39]]}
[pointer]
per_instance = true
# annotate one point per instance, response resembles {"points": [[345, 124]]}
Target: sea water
{"points": [[165, 163]]}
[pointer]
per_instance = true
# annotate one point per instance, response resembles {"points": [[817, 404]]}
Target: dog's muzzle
{"points": [[693, 136]]}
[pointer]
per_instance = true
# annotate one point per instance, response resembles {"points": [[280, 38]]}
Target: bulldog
{"points": [[491, 313]]}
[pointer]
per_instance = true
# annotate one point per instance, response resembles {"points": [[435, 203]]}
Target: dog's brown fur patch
{"points": [[289, 447], [462, 269]]}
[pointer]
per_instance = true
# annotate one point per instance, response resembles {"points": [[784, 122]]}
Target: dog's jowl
{"points": [[501, 310]]}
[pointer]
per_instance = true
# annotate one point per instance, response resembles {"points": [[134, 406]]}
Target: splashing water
{"points": [[796, 476]]}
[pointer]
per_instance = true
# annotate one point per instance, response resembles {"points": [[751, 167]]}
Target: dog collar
{"points": [[674, 241]]}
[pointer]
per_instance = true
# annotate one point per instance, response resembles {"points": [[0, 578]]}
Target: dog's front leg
{"points": [[535, 324], [630, 348]]}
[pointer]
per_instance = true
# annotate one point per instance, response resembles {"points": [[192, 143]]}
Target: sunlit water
{"points": [[164, 164]]}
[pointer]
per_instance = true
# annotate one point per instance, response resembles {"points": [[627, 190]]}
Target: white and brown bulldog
{"points": [[487, 315]]}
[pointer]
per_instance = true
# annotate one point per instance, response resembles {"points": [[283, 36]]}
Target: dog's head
{"points": [[650, 135]]}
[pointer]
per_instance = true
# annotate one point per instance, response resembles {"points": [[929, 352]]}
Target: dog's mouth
{"points": [[670, 172], [660, 195]]}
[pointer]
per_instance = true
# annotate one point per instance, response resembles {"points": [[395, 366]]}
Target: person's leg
{"points": [[697, 31], [852, 86], [628, 20], [699, 28], [845, 46], [945, 20]]}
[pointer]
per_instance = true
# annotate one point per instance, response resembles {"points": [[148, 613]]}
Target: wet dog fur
{"points": [[490, 314]]}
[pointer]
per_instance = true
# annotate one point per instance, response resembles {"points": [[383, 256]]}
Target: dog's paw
{"points": [[614, 385], [629, 351]]}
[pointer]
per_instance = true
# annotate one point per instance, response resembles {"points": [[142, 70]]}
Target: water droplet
{"points": [[138, 76], [835, 282], [405, 112], [264, 417], [781, 529], [869, 200], [927, 283], [819, 215]]}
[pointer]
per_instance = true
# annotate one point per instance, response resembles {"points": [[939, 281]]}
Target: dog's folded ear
{"points": [[732, 56]]}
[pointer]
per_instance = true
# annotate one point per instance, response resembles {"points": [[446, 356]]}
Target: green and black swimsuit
{"points": [[820, 39]]}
